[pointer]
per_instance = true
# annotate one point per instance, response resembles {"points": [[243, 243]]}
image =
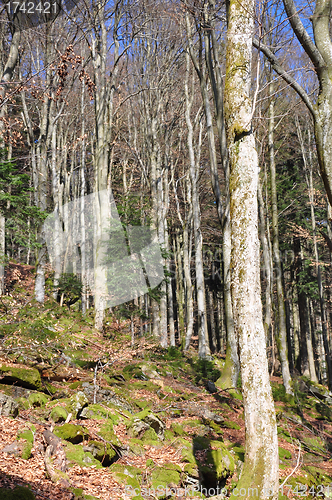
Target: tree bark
{"points": [[282, 326], [261, 456]]}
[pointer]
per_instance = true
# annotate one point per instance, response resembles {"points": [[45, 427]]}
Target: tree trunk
{"points": [[203, 340], [261, 464], [282, 326]]}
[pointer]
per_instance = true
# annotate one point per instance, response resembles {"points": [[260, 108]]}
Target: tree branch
{"points": [[285, 75], [302, 34]]}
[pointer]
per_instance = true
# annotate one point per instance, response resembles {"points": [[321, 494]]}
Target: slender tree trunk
{"points": [[308, 176], [261, 464], [282, 326], [5, 78], [203, 346]]}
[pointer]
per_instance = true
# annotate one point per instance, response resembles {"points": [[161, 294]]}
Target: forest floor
{"points": [[132, 420]]}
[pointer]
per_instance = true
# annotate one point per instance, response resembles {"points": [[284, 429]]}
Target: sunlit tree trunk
{"points": [[282, 327], [6, 76], [203, 343], [308, 167], [261, 464]]}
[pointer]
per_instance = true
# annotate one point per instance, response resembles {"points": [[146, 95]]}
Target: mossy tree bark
{"points": [[261, 458]]}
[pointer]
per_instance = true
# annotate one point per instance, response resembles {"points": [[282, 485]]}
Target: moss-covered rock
{"points": [[72, 433], [77, 456], [166, 476], [79, 495], [178, 429], [37, 399], [218, 461], [25, 377], [19, 493], [76, 403], [136, 446], [58, 414], [107, 433], [98, 412], [128, 475], [103, 452]]}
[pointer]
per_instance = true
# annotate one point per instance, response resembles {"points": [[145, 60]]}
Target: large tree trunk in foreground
{"points": [[261, 457]]}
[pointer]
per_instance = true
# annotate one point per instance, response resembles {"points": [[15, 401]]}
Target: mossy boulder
{"points": [[19, 493], [37, 399], [77, 456], [169, 475], [178, 429], [98, 412], [136, 447], [144, 420], [218, 462], [127, 474], [79, 495], [76, 403], [58, 414], [23, 445], [24, 377], [107, 433], [103, 452], [72, 433]]}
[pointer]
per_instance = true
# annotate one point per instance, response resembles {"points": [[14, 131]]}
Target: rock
{"points": [[58, 414], [36, 399], [149, 372], [166, 476], [19, 493], [26, 377], [8, 407], [144, 420], [72, 433], [22, 446], [107, 433], [76, 455], [157, 425], [103, 452], [220, 462], [211, 387], [76, 403], [14, 448], [208, 415]]}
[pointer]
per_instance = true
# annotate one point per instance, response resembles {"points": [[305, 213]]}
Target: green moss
{"points": [[178, 429], [230, 425], [150, 435], [239, 452], [58, 414], [26, 450], [36, 399], [284, 454], [136, 446], [77, 456], [108, 434], [163, 476], [76, 384], [103, 452], [26, 434], [25, 377], [72, 433], [19, 493]]}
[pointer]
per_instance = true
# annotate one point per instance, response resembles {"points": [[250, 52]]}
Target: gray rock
{"points": [[138, 427], [8, 407], [157, 425]]}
